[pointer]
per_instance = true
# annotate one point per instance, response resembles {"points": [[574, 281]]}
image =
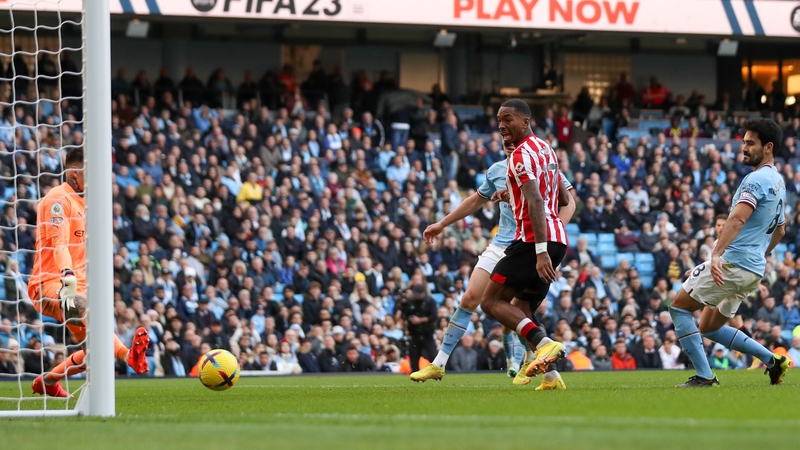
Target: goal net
{"points": [[54, 97]]}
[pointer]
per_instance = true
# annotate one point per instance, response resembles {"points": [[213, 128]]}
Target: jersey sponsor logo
{"points": [[79, 233], [56, 209], [57, 220]]}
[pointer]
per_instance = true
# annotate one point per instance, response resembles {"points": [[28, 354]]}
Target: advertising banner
{"points": [[773, 18]]}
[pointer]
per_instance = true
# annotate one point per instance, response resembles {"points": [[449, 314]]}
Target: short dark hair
{"points": [[74, 157], [767, 131], [720, 217], [519, 106]]}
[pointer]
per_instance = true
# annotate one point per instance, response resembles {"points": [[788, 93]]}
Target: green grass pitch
{"points": [[632, 410]]}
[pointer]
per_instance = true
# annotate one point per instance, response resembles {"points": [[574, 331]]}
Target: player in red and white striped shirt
{"points": [[534, 160], [528, 267]]}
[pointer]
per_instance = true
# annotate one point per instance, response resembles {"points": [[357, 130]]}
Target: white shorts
{"points": [[739, 283], [489, 257]]}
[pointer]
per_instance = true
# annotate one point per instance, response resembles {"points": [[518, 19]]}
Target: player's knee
{"points": [[79, 310], [469, 301]]}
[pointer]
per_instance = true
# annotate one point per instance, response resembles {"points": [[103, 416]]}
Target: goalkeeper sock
{"points": [[691, 341], [737, 340], [71, 366], [120, 349], [455, 330]]}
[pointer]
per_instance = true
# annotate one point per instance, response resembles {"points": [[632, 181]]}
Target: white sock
{"points": [[551, 376], [441, 359], [543, 342]]}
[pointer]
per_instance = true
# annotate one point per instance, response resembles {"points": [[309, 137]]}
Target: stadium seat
{"points": [[605, 238], [3, 285], [438, 297], [278, 297], [591, 238], [298, 298], [214, 246], [644, 257], [647, 281], [628, 257], [405, 278], [779, 251], [573, 232], [380, 186], [133, 247], [279, 288], [608, 262], [607, 248]]}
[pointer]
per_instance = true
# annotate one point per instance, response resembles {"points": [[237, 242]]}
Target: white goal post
{"points": [[96, 397]]}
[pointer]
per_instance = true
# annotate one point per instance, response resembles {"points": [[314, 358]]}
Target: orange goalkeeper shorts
{"points": [[46, 300]]}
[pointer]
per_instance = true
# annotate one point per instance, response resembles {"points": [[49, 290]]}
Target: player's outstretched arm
{"points": [[536, 210], [741, 212], [469, 206]]}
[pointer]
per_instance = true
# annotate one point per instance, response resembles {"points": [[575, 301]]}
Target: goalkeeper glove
{"points": [[69, 288]]}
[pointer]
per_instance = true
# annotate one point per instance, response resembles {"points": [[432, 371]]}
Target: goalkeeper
{"points": [[58, 283]]}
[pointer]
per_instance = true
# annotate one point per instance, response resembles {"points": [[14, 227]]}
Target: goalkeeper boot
{"points": [[52, 390], [137, 358], [521, 379], [780, 364], [431, 372], [548, 354]]}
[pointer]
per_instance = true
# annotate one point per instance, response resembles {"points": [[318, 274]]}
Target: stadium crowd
{"points": [[289, 230]]}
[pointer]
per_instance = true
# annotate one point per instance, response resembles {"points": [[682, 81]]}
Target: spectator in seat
{"points": [[465, 357], [492, 357], [654, 95], [621, 359], [648, 357], [670, 355], [626, 241], [306, 358], [600, 359], [769, 313], [355, 361], [791, 315], [719, 358]]}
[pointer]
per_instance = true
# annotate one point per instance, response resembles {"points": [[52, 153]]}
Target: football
{"points": [[219, 370]]}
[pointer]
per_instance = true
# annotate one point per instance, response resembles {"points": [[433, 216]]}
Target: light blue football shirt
{"points": [[496, 181], [765, 190]]}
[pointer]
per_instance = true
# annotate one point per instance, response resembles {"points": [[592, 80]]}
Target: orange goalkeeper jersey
{"points": [[60, 236]]}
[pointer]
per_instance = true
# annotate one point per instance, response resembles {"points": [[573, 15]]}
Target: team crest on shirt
{"points": [[56, 209], [519, 167]]}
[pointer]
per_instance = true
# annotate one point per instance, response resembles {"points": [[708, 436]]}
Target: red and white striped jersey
{"points": [[535, 161]]}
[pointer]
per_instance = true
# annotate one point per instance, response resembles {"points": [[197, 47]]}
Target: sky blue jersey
{"points": [[765, 191], [496, 181]]}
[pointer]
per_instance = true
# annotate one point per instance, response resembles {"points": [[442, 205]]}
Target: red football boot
{"points": [[52, 390], [136, 355]]}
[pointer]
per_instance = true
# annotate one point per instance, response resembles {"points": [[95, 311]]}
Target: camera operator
{"points": [[419, 313]]}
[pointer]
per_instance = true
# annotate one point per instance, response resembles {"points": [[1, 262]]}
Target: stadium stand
{"points": [[297, 220]]}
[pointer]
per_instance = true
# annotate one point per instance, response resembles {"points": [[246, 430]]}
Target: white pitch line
{"points": [[550, 420]]}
